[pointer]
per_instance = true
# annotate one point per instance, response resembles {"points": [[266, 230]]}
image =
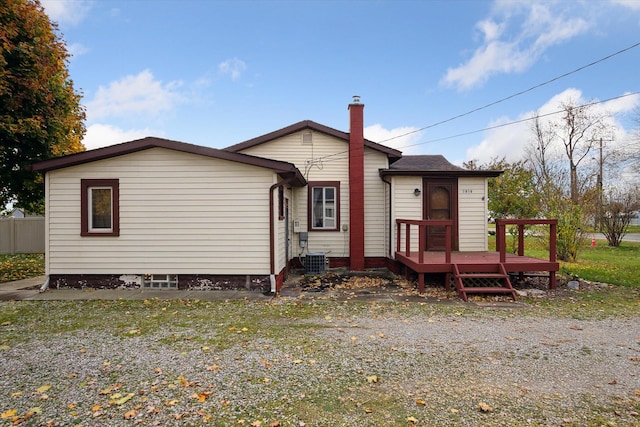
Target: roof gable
{"points": [[284, 169], [391, 153]]}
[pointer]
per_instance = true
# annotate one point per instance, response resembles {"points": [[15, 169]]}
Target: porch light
{"points": [[416, 192]]}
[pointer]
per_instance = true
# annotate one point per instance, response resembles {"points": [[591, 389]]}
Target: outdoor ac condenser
{"points": [[314, 263]]}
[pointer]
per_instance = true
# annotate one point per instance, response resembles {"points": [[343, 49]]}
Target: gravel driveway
{"points": [[336, 365]]}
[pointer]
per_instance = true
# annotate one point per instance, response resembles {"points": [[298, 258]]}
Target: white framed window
{"points": [[100, 207], [160, 281], [324, 205]]}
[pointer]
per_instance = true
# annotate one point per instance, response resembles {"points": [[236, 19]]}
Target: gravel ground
{"points": [[334, 368]]}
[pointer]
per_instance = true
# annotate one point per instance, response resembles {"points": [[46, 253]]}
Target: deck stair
{"points": [[464, 276]]}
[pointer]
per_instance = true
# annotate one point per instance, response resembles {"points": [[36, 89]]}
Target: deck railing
{"points": [[422, 226], [501, 238]]}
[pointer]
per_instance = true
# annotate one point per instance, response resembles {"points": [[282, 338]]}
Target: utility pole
{"points": [[600, 201]]}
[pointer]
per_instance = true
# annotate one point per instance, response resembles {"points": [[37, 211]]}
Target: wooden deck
{"points": [[463, 265]]}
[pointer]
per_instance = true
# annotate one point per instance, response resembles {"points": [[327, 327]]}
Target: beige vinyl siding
{"points": [[406, 205], [472, 214], [325, 159], [376, 216], [179, 213]]}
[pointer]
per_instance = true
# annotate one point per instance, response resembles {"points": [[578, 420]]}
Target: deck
{"points": [[453, 262]]}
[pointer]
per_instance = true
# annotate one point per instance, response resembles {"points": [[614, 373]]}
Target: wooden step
{"points": [[487, 290], [482, 276], [488, 271]]}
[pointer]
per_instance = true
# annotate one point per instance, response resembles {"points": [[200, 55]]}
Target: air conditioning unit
{"points": [[314, 263]]}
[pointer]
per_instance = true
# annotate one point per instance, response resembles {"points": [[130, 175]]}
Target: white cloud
{"points": [[101, 135], [539, 26], [631, 4], [77, 49], [67, 11], [233, 67], [405, 143], [510, 141], [139, 94]]}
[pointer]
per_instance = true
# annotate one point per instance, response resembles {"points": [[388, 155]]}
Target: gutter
{"points": [[390, 242]]}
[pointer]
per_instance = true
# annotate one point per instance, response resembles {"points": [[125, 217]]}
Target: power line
{"points": [[516, 94], [519, 121], [342, 155]]}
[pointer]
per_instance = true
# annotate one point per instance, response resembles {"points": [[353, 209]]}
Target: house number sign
{"points": [[467, 191]]}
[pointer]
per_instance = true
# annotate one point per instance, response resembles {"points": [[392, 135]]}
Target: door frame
{"points": [[427, 183]]}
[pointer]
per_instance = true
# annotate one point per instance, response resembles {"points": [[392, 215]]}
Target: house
{"points": [[164, 214]]}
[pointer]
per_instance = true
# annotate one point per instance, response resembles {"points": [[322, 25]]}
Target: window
{"points": [[324, 205], [160, 281], [100, 207]]}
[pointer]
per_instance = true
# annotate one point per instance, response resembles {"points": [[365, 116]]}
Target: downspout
{"points": [[45, 285], [390, 218], [272, 238]]}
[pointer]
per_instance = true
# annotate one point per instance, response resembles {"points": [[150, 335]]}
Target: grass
{"points": [[602, 263], [20, 266]]}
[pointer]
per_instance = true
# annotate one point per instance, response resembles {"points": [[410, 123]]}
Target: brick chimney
{"points": [[356, 185]]}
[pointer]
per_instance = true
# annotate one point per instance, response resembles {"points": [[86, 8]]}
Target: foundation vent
{"points": [[314, 263]]}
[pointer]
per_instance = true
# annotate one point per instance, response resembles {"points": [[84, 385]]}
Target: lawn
{"points": [[602, 263], [20, 266]]}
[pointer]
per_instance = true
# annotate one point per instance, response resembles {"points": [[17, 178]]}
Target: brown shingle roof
{"points": [[284, 169], [432, 165]]}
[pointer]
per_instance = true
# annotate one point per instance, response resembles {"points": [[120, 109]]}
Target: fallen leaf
{"points": [[421, 402], [95, 408], [275, 424], [43, 388], [453, 411], [297, 361], [16, 394], [373, 379], [124, 399], [484, 407], [412, 419], [130, 414], [203, 396], [213, 368], [256, 423], [171, 402], [8, 413], [368, 410]]}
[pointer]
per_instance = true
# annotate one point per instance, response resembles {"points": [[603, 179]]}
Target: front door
{"points": [[441, 202]]}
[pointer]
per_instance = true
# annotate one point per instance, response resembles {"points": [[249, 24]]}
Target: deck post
{"points": [[421, 283], [447, 244], [500, 232], [398, 228], [521, 239], [407, 240], [422, 236]]}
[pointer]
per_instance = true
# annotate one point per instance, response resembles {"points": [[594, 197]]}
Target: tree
{"points": [[618, 210], [513, 194], [40, 111], [579, 131]]}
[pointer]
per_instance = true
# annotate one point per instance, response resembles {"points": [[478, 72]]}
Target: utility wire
{"points": [[341, 155], [519, 121], [516, 94]]}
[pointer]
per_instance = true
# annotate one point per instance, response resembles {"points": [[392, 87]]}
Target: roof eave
{"points": [[442, 174]]}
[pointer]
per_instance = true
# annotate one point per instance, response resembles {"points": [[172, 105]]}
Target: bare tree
{"points": [[618, 210], [579, 131]]}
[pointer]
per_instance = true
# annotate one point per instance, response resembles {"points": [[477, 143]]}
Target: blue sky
{"points": [[216, 73]]}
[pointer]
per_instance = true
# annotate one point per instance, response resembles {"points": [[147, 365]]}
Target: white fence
{"points": [[22, 235]]}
